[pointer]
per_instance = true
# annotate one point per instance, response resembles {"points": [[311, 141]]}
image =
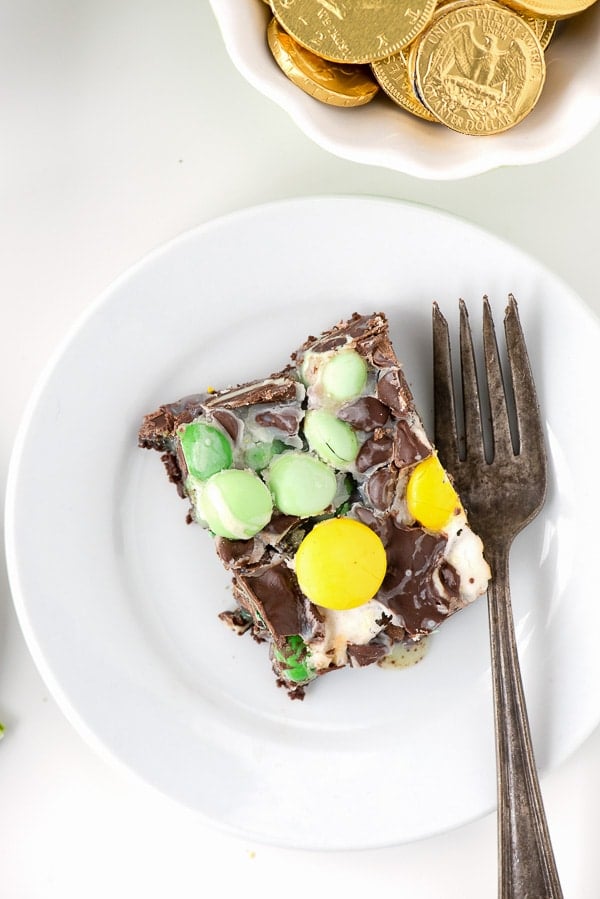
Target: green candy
{"points": [[206, 450], [301, 484], [259, 455], [333, 440], [296, 658], [344, 375], [235, 503]]}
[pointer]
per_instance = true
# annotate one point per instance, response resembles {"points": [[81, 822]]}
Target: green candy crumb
{"points": [[297, 661], [348, 486], [259, 455]]}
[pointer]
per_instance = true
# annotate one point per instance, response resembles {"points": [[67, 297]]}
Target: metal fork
{"points": [[503, 487]]}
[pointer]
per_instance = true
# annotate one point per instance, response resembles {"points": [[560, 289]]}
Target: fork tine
{"points": [[472, 408], [445, 432], [502, 441], [531, 437]]}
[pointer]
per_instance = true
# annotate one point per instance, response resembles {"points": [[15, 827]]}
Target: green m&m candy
{"points": [[301, 484], [235, 503], [258, 455], [206, 450], [344, 375], [333, 440]]}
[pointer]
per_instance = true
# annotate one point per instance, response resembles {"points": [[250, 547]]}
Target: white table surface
{"points": [[124, 124]]}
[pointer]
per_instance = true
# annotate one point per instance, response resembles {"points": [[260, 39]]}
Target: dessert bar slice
{"points": [[327, 504]]}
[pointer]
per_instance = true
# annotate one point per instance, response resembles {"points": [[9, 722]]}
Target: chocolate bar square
{"points": [[344, 537]]}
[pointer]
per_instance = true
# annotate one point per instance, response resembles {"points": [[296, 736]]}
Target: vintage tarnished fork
{"points": [[503, 487]]}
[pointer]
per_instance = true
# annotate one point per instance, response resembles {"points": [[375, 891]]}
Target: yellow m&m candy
{"points": [[340, 564], [430, 497]]}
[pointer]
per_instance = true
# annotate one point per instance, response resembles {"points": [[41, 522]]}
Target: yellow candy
{"points": [[430, 497], [340, 564]]}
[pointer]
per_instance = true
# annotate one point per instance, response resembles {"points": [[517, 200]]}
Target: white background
{"points": [[124, 124]]}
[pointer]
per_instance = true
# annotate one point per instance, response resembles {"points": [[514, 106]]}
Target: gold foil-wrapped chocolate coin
{"points": [[543, 28], [479, 68], [357, 31], [550, 9], [392, 75], [335, 83]]}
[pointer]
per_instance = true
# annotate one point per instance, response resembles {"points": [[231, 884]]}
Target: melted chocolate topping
{"points": [[408, 447], [380, 487], [384, 355], [414, 555], [228, 421], [393, 390], [239, 553], [377, 450], [280, 419], [364, 333], [158, 428], [271, 390], [365, 413], [285, 610], [361, 655]]}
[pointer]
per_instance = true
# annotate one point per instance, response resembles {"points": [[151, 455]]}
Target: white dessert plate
{"points": [[118, 599]]}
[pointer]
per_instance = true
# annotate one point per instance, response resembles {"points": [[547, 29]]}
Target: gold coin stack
{"points": [[475, 66]]}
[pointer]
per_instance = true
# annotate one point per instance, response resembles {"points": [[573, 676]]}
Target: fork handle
{"points": [[526, 863]]}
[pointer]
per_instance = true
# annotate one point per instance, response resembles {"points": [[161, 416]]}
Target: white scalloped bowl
{"points": [[382, 134]]}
